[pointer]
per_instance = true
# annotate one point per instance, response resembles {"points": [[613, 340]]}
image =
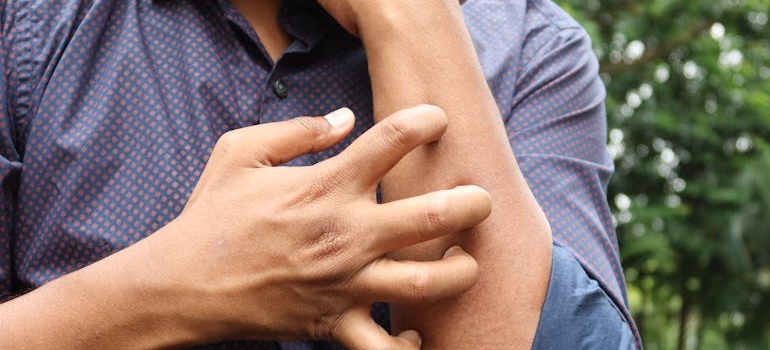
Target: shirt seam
{"points": [[559, 22], [23, 61], [527, 63], [561, 27], [565, 33]]}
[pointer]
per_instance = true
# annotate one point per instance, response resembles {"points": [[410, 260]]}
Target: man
{"points": [[112, 108]]}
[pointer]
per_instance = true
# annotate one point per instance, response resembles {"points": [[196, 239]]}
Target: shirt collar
{"points": [[304, 20]]}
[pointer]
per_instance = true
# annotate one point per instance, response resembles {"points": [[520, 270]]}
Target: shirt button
{"points": [[280, 88]]}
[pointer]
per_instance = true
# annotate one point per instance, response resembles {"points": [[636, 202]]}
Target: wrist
{"points": [[133, 306], [100, 306]]}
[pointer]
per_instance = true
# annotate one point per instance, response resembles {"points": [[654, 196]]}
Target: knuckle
{"points": [[399, 131], [338, 325], [339, 175], [419, 286], [227, 146], [331, 243], [311, 127], [228, 142], [318, 185], [324, 251], [320, 328], [438, 214]]}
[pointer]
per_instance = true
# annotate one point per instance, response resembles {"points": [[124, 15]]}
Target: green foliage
{"points": [[689, 114]]}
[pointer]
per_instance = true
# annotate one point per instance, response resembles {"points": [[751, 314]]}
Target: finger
{"points": [[411, 282], [409, 221], [411, 336], [375, 152], [357, 331], [275, 143]]}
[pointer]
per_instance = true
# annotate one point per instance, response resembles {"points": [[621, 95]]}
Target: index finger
{"points": [[380, 148]]}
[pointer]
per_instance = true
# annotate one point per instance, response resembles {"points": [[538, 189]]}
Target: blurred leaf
{"points": [[697, 163]]}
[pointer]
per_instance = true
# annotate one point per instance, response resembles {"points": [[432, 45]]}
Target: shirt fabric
{"points": [[110, 108], [577, 314]]}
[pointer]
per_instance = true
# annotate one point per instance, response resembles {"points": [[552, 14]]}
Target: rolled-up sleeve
{"points": [[10, 160]]}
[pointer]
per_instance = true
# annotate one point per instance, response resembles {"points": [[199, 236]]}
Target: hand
{"points": [[288, 253]]}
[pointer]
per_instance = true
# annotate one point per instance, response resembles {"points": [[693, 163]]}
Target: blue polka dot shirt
{"points": [[109, 109]]}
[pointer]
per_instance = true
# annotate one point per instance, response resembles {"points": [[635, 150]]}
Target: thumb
{"points": [[272, 144]]}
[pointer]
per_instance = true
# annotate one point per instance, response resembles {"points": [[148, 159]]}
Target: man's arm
{"points": [[421, 52], [266, 252]]}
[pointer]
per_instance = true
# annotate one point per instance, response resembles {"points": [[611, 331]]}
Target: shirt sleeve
{"points": [[10, 160], [557, 128]]}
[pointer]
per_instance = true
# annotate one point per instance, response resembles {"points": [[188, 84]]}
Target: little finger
{"points": [[358, 331]]}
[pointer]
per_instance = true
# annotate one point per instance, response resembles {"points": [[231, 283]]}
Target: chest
{"points": [[130, 105]]}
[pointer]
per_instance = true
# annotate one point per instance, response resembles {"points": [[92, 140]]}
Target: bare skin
{"points": [[263, 18], [264, 252], [513, 246], [300, 282]]}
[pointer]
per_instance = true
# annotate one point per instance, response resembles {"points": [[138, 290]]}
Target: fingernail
{"points": [[468, 187], [412, 335], [340, 117], [472, 188], [456, 250]]}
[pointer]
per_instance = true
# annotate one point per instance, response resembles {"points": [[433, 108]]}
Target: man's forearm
{"points": [[267, 253], [422, 53], [98, 307]]}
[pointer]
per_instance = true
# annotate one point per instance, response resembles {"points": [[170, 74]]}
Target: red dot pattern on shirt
{"points": [[116, 105]]}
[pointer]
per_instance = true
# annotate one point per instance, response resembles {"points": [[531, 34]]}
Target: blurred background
{"points": [[688, 103]]}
